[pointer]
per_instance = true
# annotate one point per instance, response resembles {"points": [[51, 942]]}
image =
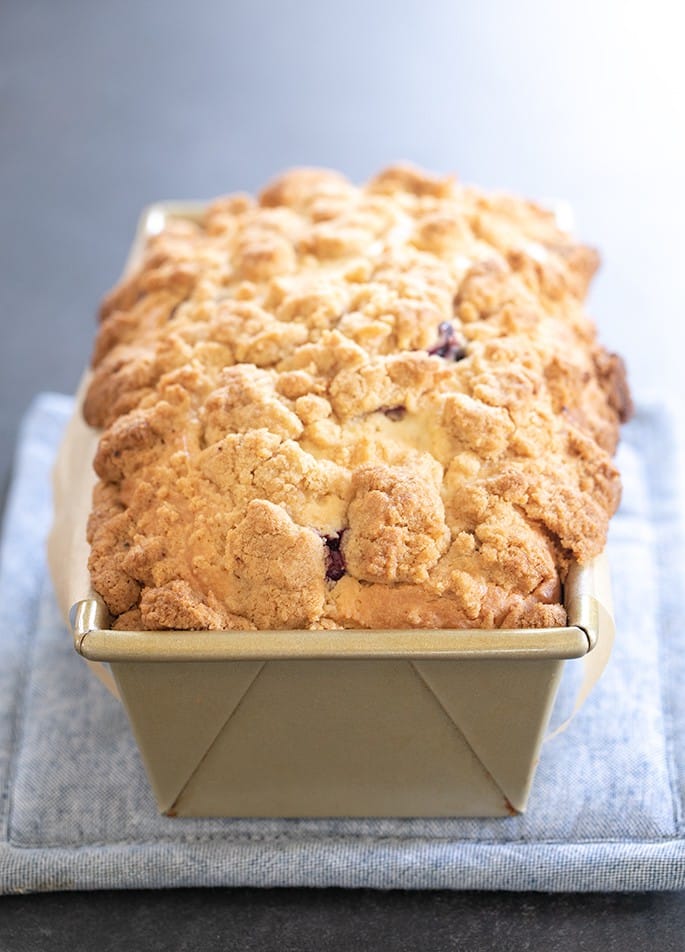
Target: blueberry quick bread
{"points": [[345, 407]]}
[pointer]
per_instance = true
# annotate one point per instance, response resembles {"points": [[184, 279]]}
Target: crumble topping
{"points": [[340, 406]]}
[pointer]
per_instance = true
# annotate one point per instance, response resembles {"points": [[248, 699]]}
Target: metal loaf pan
{"points": [[332, 723]]}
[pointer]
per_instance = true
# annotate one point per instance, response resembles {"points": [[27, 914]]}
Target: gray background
{"points": [[106, 106]]}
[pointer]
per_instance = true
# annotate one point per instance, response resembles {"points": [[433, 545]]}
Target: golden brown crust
{"points": [[340, 406]]}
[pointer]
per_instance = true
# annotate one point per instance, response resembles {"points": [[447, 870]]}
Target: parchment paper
{"points": [[74, 478], [73, 481]]}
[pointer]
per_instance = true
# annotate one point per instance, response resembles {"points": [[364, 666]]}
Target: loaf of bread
{"points": [[344, 407]]}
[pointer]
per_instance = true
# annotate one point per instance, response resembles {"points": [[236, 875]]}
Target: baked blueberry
{"points": [[448, 344], [335, 560], [394, 413]]}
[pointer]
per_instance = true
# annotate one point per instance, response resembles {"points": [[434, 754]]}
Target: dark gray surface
{"points": [[105, 106], [334, 919]]}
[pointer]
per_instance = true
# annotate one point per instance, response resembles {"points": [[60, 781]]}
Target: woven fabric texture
{"points": [[606, 812]]}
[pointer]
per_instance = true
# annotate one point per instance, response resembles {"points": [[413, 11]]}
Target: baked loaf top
{"points": [[376, 407]]}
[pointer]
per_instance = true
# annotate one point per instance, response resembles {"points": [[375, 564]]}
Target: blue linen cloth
{"points": [[606, 812]]}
